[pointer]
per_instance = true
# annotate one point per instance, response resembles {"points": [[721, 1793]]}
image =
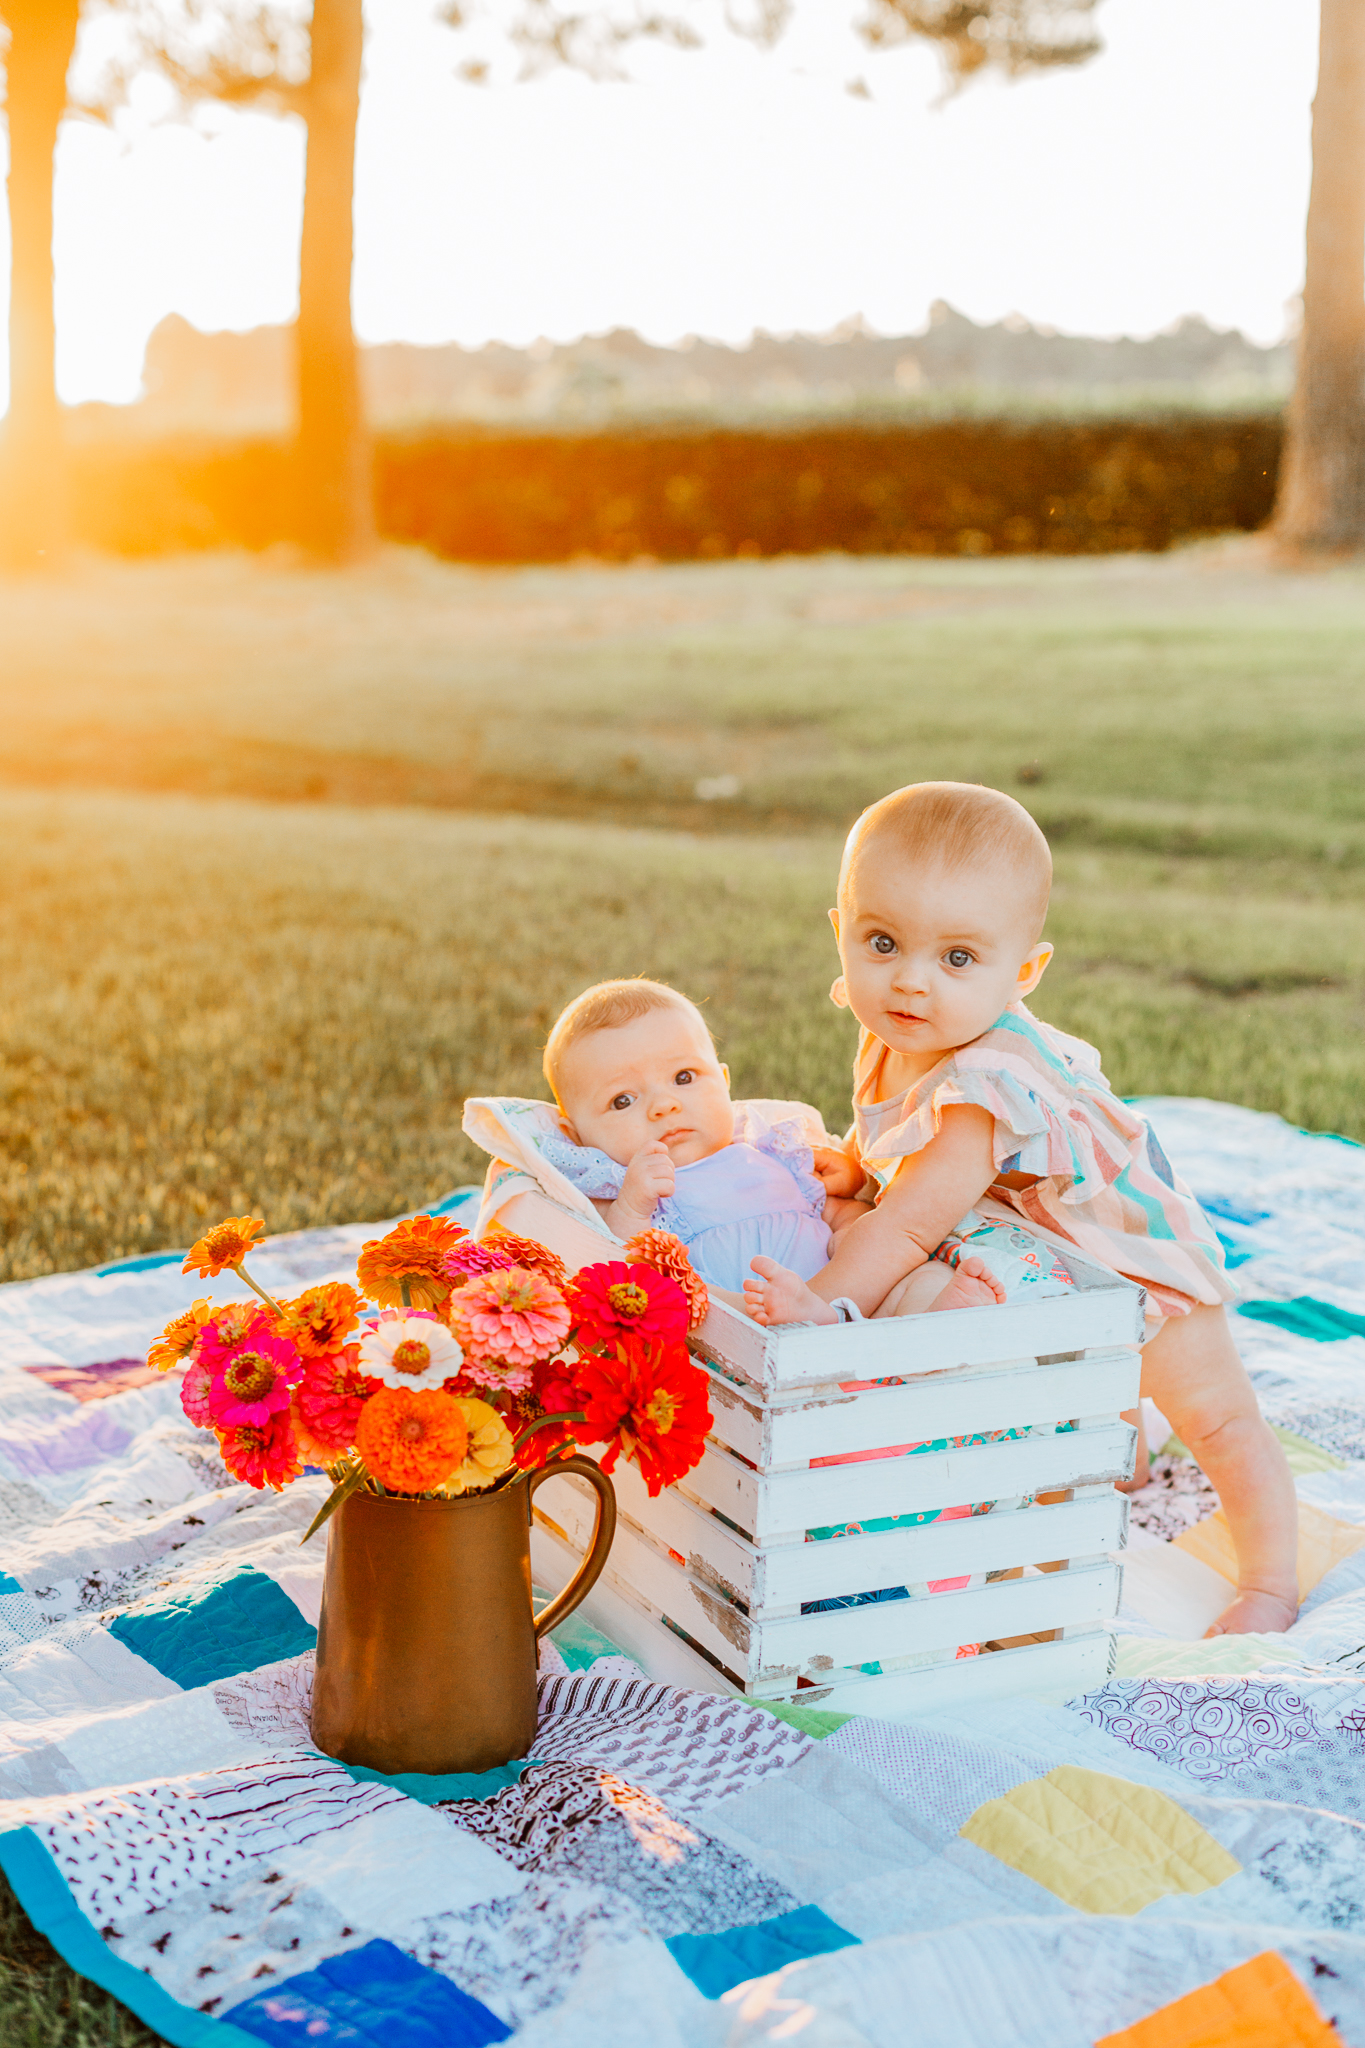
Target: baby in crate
{"points": [[651, 1137], [970, 1112]]}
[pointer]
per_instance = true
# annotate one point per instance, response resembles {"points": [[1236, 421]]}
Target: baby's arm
{"points": [[932, 1191], [840, 1168], [649, 1177]]}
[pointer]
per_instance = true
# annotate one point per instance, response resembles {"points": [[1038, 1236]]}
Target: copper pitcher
{"points": [[427, 1640]]}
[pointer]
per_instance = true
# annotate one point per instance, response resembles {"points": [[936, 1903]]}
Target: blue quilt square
{"points": [[198, 1637], [371, 1997], [717, 1962]]}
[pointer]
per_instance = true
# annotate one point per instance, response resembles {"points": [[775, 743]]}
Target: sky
{"points": [[721, 191]]}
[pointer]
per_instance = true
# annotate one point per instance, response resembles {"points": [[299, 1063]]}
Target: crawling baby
{"points": [[651, 1137], [969, 1111]]}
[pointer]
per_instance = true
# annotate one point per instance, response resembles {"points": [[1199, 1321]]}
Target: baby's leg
{"points": [[776, 1295], [1192, 1371]]}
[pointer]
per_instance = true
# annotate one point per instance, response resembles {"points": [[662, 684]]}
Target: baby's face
{"points": [[654, 1080], [932, 955]]}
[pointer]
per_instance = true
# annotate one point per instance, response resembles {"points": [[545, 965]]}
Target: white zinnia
{"points": [[411, 1352]]}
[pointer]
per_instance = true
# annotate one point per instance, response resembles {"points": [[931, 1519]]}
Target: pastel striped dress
{"points": [[1102, 1182]]}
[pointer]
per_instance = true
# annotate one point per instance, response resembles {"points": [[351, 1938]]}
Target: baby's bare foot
{"points": [[973, 1285], [772, 1295], [1255, 1614]]}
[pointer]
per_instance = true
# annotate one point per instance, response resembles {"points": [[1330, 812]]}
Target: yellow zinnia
{"points": [[490, 1448]]}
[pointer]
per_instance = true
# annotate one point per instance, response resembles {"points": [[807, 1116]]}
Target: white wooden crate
{"points": [[711, 1577]]}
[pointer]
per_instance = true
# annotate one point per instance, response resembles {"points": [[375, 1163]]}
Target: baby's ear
{"points": [[725, 1073], [1033, 968], [834, 920]]}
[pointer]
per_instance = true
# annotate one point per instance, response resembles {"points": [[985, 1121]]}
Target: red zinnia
{"points": [[261, 1454], [612, 1302], [651, 1408], [331, 1394]]}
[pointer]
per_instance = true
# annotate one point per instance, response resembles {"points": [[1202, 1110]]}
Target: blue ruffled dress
{"points": [[757, 1195]]}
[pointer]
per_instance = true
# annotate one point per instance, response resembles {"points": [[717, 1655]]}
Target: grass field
{"points": [[278, 998], [290, 864]]}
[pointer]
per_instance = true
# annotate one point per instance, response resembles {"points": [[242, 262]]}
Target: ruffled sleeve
{"points": [[1052, 1115], [787, 1140], [585, 1168]]}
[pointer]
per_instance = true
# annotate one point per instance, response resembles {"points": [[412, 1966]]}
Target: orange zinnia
{"points": [[320, 1319], [177, 1340], [411, 1442], [668, 1254], [525, 1251], [413, 1254], [227, 1244]]}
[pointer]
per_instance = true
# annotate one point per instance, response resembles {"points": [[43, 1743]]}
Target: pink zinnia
{"points": [[508, 1319], [330, 1396], [194, 1393], [252, 1378], [261, 1455], [472, 1257]]}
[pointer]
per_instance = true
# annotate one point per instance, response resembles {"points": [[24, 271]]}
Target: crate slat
{"points": [[783, 1575], [777, 1504], [951, 1404]]}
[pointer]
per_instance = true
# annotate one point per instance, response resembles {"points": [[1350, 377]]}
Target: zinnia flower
{"points": [[490, 1448], [412, 1255], [414, 1352], [412, 1442], [330, 1396], [668, 1254], [614, 1301], [194, 1394], [525, 1251], [320, 1319], [261, 1454], [252, 1379], [508, 1322], [227, 1244], [180, 1336], [651, 1408], [312, 1450], [470, 1256]]}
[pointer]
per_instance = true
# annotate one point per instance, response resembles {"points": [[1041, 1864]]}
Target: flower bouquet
{"points": [[462, 1365], [437, 1395]]}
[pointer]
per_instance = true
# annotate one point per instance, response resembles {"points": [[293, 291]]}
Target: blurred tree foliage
{"points": [[280, 55]]}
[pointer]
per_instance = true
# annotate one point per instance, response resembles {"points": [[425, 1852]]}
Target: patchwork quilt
{"points": [[1176, 1857]]}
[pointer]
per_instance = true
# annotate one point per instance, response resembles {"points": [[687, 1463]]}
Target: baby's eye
{"points": [[883, 943], [683, 1076], [958, 956], [622, 1101]]}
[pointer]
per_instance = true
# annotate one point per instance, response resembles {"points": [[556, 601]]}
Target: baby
{"points": [[652, 1138], [968, 1112]]}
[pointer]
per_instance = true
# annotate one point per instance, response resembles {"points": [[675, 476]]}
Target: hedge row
{"points": [[957, 487]]}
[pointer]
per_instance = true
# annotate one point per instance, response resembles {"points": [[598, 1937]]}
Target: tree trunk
{"points": [[1322, 486], [333, 468], [32, 493]]}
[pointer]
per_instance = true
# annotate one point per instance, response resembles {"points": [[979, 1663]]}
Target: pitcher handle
{"points": [[588, 1573]]}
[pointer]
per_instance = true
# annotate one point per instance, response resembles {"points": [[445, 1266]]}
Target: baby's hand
{"points": [[841, 1172], [649, 1177]]}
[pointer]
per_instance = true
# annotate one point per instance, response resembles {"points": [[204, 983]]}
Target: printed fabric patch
{"points": [[216, 1631], [1099, 1843], [374, 1994]]}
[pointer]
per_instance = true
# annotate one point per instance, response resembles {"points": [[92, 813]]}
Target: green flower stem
{"points": [[544, 1421], [242, 1274]]}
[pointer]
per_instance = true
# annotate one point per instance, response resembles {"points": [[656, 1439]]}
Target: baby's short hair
{"points": [[959, 825], [605, 1007]]}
